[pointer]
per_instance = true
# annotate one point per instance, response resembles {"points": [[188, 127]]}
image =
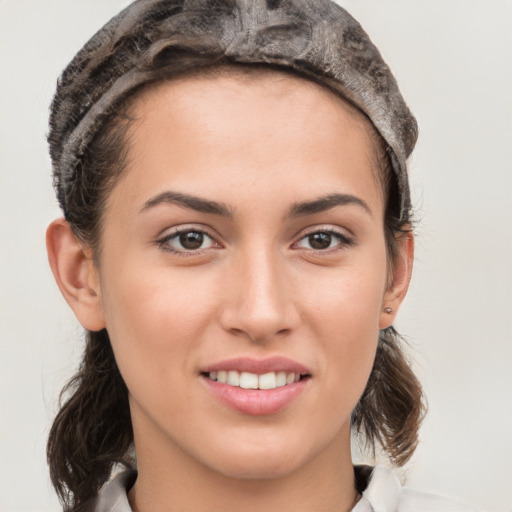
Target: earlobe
{"points": [[75, 274], [402, 270]]}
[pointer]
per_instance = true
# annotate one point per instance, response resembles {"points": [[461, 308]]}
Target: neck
{"points": [[171, 481]]}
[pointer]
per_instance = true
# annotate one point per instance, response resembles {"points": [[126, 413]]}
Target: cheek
{"points": [[348, 299], [350, 344], [155, 318], [344, 313]]}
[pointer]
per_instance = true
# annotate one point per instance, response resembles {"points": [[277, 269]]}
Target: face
{"points": [[243, 248]]}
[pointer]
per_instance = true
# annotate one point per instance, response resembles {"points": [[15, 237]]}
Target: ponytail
{"points": [[391, 408], [92, 430]]}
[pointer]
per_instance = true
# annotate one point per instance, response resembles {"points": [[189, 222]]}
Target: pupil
{"points": [[191, 240], [320, 240]]}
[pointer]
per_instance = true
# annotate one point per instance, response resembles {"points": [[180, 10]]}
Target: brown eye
{"points": [[191, 240], [319, 241], [324, 240], [188, 240]]}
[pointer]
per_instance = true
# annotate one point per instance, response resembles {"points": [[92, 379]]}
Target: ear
{"points": [[401, 276], [75, 274]]}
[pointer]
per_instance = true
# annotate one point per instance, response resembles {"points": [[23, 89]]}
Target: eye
{"points": [[323, 240], [187, 240]]}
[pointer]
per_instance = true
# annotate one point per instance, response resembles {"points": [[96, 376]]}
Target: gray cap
{"points": [[316, 38]]}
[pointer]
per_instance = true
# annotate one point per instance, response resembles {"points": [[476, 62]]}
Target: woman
{"points": [[237, 242]]}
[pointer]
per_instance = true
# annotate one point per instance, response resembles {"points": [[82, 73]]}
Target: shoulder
{"points": [[384, 493]]}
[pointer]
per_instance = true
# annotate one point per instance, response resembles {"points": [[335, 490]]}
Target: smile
{"points": [[248, 380], [256, 387]]}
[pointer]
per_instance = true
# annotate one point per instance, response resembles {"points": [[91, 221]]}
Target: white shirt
{"points": [[383, 493]]}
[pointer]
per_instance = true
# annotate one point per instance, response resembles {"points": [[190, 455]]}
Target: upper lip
{"points": [[258, 366]]}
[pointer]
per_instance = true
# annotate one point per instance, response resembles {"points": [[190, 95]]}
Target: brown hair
{"points": [[92, 431]]}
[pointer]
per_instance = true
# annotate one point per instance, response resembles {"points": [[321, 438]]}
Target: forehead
{"points": [[286, 88], [278, 82], [226, 129]]}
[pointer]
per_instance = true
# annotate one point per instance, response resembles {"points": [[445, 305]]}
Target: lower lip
{"points": [[256, 402]]}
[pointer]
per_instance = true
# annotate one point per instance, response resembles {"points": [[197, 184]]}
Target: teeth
{"points": [[233, 378], [267, 381], [247, 380], [280, 379]]}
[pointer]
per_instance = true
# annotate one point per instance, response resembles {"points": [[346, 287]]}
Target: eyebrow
{"points": [[201, 205], [191, 202], [325, 203]]}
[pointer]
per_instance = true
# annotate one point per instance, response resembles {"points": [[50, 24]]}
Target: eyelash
{"points": [[163, 242], [343, 241]]}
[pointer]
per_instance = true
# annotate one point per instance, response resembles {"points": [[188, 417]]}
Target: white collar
{"points": [[383, 493]]}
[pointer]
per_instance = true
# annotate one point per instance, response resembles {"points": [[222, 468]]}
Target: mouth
{"points": [[256, 387], [249, 380]]}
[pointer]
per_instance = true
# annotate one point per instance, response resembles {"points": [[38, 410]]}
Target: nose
{"points": [[259, 299]]}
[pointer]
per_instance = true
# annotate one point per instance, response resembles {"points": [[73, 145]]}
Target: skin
{"points": [[257, 145]]}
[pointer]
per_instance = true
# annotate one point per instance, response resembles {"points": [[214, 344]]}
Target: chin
{"points": [[259, 468], [271, 459]]}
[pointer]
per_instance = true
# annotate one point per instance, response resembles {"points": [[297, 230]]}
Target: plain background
{"points": [[453, 61]]}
